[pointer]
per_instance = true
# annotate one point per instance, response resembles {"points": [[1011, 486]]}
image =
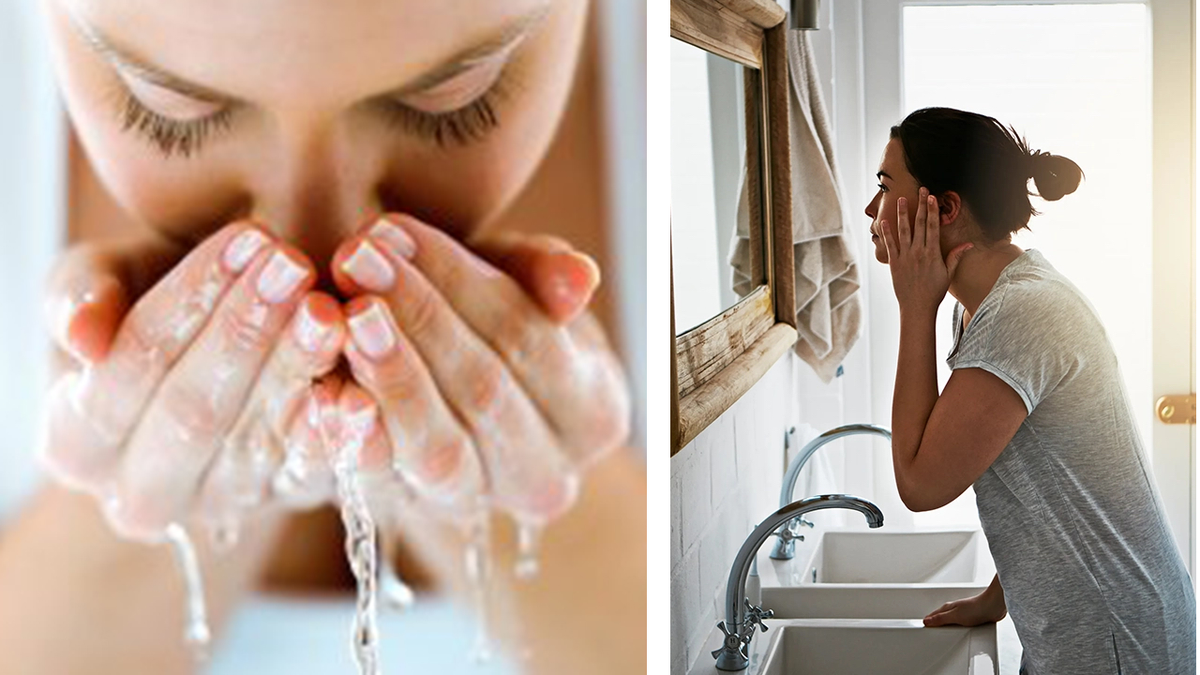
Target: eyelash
{"points": [[881, 187], [465, 125], [169, 135], [470, 123]]}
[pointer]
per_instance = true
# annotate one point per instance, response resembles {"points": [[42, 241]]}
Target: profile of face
{"points": [[895, 182], [313, 117]]}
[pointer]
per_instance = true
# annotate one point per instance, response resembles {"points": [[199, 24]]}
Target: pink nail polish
{"points": [[370, 268], [243, 248], [280, 278], [395, 238], [373, 332], [310, 333]]}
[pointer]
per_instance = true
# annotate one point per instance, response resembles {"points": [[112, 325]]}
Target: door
{"points": [[1110, 85]]}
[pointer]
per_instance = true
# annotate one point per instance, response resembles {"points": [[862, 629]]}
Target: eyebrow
{"points": [[464, 60], [882, 173]]}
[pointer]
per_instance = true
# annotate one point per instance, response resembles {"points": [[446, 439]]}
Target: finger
{"points": [[889, 240], [200, 399], [305, 479], [940, 619], [939, 616], [309, 349], [84, 316], [361, 436], [576, 390], [933, 234], [903, 228], [429, 446], [90, 287], [919, 224], [955, 257], [253, 449], [528, 475], [97, 409], [561, 279]]}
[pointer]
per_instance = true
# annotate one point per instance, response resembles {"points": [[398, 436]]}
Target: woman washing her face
{"points": [[303, 227], [1034, 414]]}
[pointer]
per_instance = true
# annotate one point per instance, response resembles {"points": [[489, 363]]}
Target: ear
{"points": [[950, 207]]}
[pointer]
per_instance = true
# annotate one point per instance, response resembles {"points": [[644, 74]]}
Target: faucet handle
{"points": [[787, 533], [755, 615], [733, 641], [801, 520]]}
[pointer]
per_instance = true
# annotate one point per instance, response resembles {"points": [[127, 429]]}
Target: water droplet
{"points": [[478, 568], [196, 633], [225, 534], [397, 595], [528, 539]]}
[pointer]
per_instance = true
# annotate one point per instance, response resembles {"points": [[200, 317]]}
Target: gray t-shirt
{"points": [[1091, 574]]}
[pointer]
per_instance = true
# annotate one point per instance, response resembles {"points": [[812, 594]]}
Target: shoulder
{"points": [[1037, 300]]}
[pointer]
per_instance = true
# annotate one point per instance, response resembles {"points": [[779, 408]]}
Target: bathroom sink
{"points": [[933, 557], [876, 574], [863, 647]]}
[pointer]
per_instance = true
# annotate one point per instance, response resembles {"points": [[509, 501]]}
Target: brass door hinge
{"points": [[1177, 409]]}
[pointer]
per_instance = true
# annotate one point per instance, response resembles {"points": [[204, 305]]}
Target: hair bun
{"points": [[1054, 175]]}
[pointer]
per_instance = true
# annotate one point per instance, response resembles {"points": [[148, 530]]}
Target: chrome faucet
{"points": [[785, 546], [742, 619]]}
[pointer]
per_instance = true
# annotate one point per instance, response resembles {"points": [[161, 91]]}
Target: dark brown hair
{"points": [[988, 165]]}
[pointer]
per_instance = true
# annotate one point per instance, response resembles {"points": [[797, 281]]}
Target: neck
{"points": [[978, 271]]}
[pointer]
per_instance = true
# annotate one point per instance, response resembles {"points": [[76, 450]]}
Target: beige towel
{"points": [[828, 310]]}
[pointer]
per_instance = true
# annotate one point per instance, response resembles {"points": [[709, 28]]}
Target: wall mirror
{"points": [[708, 164], [729, 173]]}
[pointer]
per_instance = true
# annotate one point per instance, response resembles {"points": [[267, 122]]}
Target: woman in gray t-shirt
{"points": [[1034, 415]]}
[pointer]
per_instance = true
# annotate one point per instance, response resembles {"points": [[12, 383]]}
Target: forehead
{"points": [[285, 49], [892, 162]]}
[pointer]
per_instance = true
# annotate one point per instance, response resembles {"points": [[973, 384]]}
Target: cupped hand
{"points": [[480, 388], [180, 405], [920, 275], [216, 390]]}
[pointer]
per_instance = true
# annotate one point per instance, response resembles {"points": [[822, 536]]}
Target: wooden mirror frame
{"points": [[717, 362]]}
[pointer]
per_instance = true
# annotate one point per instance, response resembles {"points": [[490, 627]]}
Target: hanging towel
{"points": [[828, 310]]}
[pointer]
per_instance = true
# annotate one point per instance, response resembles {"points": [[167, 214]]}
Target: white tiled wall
{"points": [[729, 472], [728, 479]]}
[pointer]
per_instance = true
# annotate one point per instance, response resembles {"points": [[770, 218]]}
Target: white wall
{"points": [[722, 483]]}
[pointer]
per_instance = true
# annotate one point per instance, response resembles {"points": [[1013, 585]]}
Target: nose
{"points": [[872, 209], [319, 189]]}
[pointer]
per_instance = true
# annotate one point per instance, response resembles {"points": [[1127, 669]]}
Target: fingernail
{"points": [[310, 333], [395, 238], [373, 332], [577, 285], [369, 268], [280, 278], [243, 248]]}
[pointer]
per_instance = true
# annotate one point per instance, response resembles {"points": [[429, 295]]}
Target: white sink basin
{"points": [[863, 647], [876, 574], [882, 557]]}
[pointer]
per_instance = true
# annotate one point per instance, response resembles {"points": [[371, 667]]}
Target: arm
{"points": [[77, 599], [942, 444]]}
